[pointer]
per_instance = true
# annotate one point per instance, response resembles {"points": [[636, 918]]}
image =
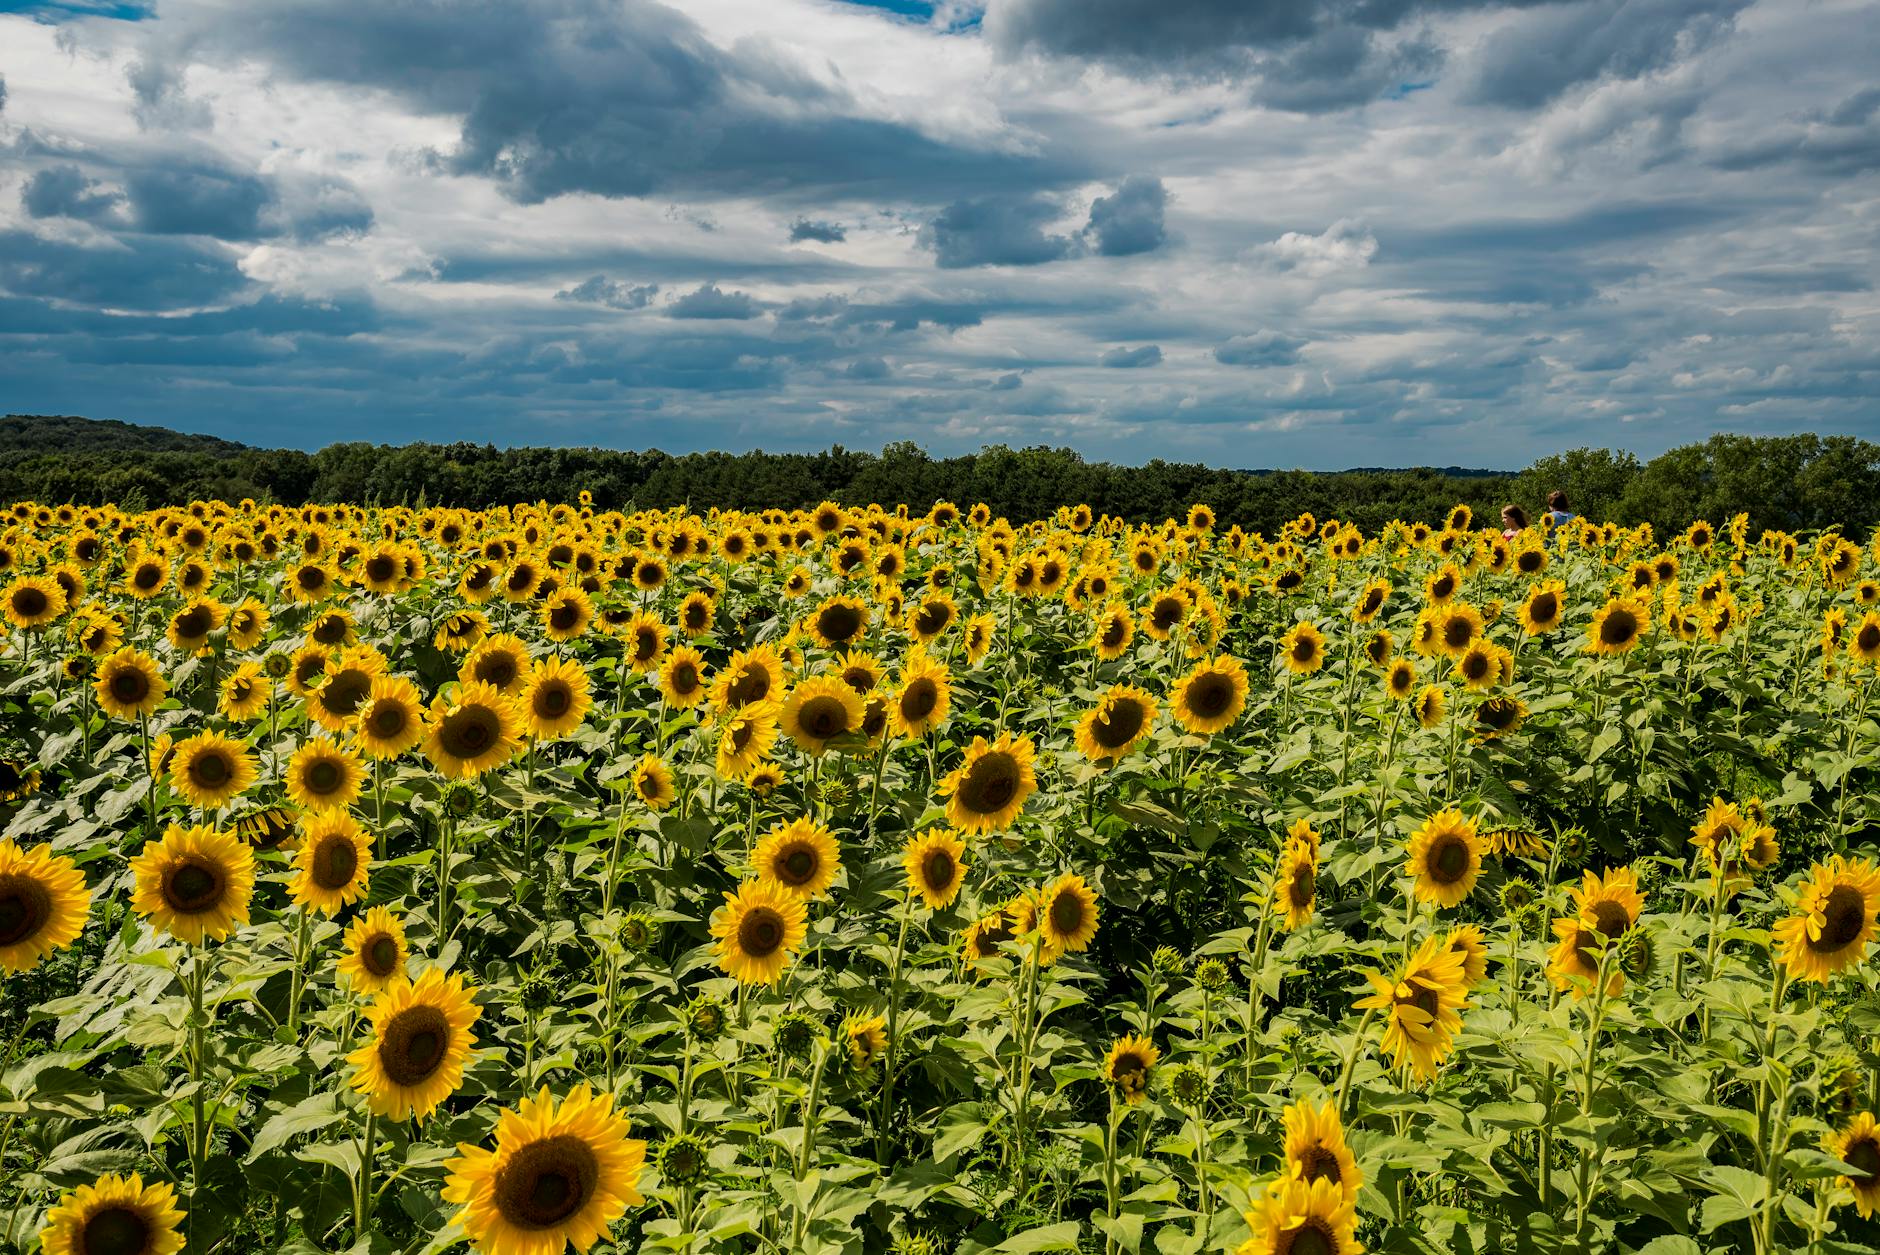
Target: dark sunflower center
{"points": [[1620, 627], [564, 617], [991, 783], [932, 619], [1475, 665], [1868, 639], [798, 865], [1066, 913], [211, 769], [1458, 632], [1318, 1163], [684, 678], [1401, 679], [334, 863], [381, 570], [824, 717], [760, 932], [322, 776], [1843, 918], [498, 668], [839, 623], [552, 701], [130, 687], [387, 720], [311, 578], [751, 685], [343, 693], [1544, 608], [148, 576], [1443, 587], [1372, 600], [1611, 918], [1427, 1001], [1865, 1156], [1210, 695], [1299, 890], [413, 1044], [1498, 713], [1167, 613], [470, 731], [192, 623], [1449, 859], [192, 886], [938, 870], [1119, 724], [114, 1231], [25, 908], [380, 955], [645, 646], [1114, 632], [919, 699]]}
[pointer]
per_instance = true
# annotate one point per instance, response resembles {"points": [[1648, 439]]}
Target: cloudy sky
{"points": [[1316, 233]]}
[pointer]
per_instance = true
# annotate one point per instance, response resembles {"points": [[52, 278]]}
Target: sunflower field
{"points": [[864, 880]]}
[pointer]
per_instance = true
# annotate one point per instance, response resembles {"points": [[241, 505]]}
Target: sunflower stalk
{"points": [[884, 1108]]}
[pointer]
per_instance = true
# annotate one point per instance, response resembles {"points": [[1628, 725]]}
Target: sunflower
{"points": [[1431, 705], [682, 678], [114, 1215], [375, 954], [349, 675], [1128, 1066], [43, 905], [1605, 909], [1834, 920], [1733, 841], [1370, 601], [1315, 1148], [757, 929], [561, 1174], [391, 718], [652, 783], [839, 621], [129, 685], [502, 662], [1618, 626], [554, 700], [1400, 679], [306, 670], [1478, 666], [194, 883], [324, 776], [748, 676], [821, 710], [930, 619], [979, 636], [565, 614], [866, 1039], [471, 732], [1211, 696], [334, 863], [1863, 643], [18, 779], [1297, 1217], [211, 770], [1422, 1003], [1457, 626], [1116, 724], [922, 699], [96, 633], [1380, 647], [32, 601], [1468, 941], [1067, 915], [748, 735], [460, 632], [936, 866], [1302, 649], [190, 627], [245, 692], [1858, 1145], [420, 1042], [146, 576], [987, 791], [764, 779], [800, 858], [1295, 885], [1445, 858]]}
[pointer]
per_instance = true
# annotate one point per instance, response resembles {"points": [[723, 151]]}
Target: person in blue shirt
{"points": [[1557, 511]]}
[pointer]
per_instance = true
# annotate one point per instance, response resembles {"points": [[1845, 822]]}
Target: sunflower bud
{"points": [[705, 1018], [796, 1034], [1167, 960], [1211, 975], [277, 665], [460, 801], [1188, 1085], [913, 1244], [638, 931], [1515, 894], [682, 1160], [1637, 955]]}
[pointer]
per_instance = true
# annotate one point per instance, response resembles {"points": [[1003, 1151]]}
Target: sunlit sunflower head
{"points": [[922, 698], [1371, 601], [753, 675], [374, 952], [935, 862], [979, 636], [838, 622], [1444, 858], [1834, 919], [324, 776], [32, 601], [1295, 884], [390, 719], [43, 905], [129, 685], [1296, 1217], [1380, 647], [820, 711], [194, 883], [1863, 641], [190, 627], [211, 770], [1431, 706], [865, 1037], [653, 783], [1606, 907], [96, 633], [566, 614], [335, 704], [1315, 1148], [1422, 1005], [1443, 585], [471, 731], [1302, 649], [420, 1041], [333, 865], [1857, 1144], [682, 679], [460, 632], [800, 858], [1618, 627], [1469, 941], [745, 739], [502, 662], [1128, 1067], [1458, 627], [758, 929], [245, 692], [1118, 723], [987, 791], [555, 699], [114, 1215], [1067, 915], [764, 779], [1735, 841], [1211, 696]]}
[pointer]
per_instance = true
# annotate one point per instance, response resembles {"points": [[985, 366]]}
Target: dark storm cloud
{"points": [[821, 232], [137, 272], [627, 99], [996, 231], [1129, 220], [206, 198], [1132, 359], [867, 368], [66, 191]]}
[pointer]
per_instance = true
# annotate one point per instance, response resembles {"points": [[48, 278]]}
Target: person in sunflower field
{"points": [[1557, 511], [1514, 521]]}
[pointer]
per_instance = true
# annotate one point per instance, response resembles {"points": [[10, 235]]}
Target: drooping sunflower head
{"points": [[987, 792], [865, 1037], [935, 863], [375, 952], [1468, 941], [1857, 1144], [1295, 882], [1607, 906], [1128, 1067], [800, 858], [1499, 716], [758, 929], [1444, 858], [43, 905], [194, 883], [114, 1215], [420, 1042]]}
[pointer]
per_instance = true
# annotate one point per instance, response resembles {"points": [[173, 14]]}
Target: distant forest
{"points": [[1797, 483]]}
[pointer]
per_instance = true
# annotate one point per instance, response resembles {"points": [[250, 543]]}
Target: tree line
{"points": [[1796, 483]]}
